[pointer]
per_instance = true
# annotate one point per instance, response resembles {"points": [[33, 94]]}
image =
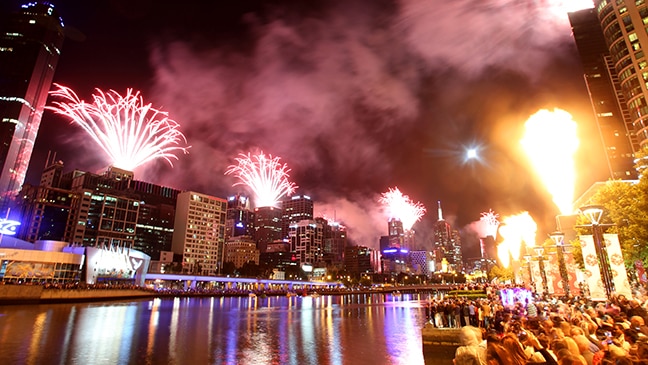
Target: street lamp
{"points": [[561, 249], [539, 250], [594, 214]]}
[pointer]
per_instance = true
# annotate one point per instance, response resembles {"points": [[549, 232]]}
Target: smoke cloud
{"points": [[359, 96]]}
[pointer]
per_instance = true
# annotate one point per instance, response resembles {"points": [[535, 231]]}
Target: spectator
{"points": [[472, 350]]}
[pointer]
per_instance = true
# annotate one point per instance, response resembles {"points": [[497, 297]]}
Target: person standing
{"points": [[466, 313], [457, 314], [531, 309]]}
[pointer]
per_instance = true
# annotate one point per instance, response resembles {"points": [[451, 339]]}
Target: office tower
{"points": [[294, 209], [357, 261], [267, 227], [199, 232], [240, 250], [30, 45], [419, 262], [396, 233], [609, 103], [93, 210], [447, 244], [240, 218], [335, 240], [306, 241]]}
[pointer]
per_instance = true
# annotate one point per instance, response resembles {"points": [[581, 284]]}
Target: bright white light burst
{"points": [[130, 132], [401, 207], [265, 176]]}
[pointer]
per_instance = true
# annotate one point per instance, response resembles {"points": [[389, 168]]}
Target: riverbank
{"points": [[37, 294]]}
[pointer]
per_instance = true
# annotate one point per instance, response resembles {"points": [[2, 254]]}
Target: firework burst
{"points": [[265, 176], [401, 207], [130, 132], [490, 221]]}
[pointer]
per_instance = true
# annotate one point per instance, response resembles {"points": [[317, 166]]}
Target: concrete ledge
{"points": [[30, 294], [439, 344]]}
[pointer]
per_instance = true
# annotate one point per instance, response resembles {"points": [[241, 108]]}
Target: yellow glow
{"points": [[550, 142], [515, 230]]}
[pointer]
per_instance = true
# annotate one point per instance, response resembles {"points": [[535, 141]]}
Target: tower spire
{"points": [[440, 211]]}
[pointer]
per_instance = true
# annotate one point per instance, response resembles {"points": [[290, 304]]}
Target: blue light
{"points": [[8, 227]]}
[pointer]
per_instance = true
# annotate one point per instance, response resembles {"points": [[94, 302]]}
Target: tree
{"points": [[500, 273], [626, 205]]}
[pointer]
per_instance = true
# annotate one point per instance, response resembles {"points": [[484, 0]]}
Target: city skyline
{"points": [[353, 108]]}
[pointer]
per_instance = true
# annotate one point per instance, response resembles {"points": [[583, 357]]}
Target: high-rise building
{"points": [[240, 250], [357, 261], [294, 209], [240, 218], [447, 244], [267, 226], [335, 240], [623, 27], [95, 210], [199, 232], [30, 45], [306, 241], [609, 103]]}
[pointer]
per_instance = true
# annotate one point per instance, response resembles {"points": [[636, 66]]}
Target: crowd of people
{"points": [[536, 330]]}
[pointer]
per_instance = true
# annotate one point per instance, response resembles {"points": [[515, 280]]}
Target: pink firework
{"points": [[490, 222], [401, 207], [130, 132], [265, 176]]}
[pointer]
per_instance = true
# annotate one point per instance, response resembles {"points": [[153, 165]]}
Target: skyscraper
{"points": [[295, 208], [447, 243], [199, 232], [623, 27], [30, 45], [614, 119], [267, 226]]}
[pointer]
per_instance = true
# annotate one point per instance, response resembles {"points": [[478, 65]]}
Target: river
{"points": [[371, 329]]}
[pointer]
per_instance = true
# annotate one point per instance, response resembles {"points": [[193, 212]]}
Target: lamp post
{"points": [[540, 252], [594, 214], [561, 249]]}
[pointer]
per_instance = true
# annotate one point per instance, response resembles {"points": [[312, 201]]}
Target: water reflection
{"points": [[353, 329]]}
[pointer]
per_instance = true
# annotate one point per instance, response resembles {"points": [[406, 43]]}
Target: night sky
{"points": [[355, 96]]}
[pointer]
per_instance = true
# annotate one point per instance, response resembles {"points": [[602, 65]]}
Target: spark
{"points": [[550, 142], [401, 207], [265, 176], [516, 230], [489, 220], [130, 132]]}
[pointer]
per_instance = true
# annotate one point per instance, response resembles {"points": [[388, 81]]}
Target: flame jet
{"points": [[401, 207], [130, 132], [550, 142], [265, 176], [515, 230]]}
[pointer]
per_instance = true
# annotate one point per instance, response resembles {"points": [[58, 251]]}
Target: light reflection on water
{"points": [[353, 329]]}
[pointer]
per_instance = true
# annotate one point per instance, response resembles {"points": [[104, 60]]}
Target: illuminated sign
{"points": [[8, 227]]}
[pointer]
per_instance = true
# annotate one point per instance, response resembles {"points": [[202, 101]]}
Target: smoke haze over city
{"points": [[356, 97]]}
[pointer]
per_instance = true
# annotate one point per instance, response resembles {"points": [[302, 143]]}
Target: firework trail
{"points": [[401, 207], [265, 176], [130, 132]]}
